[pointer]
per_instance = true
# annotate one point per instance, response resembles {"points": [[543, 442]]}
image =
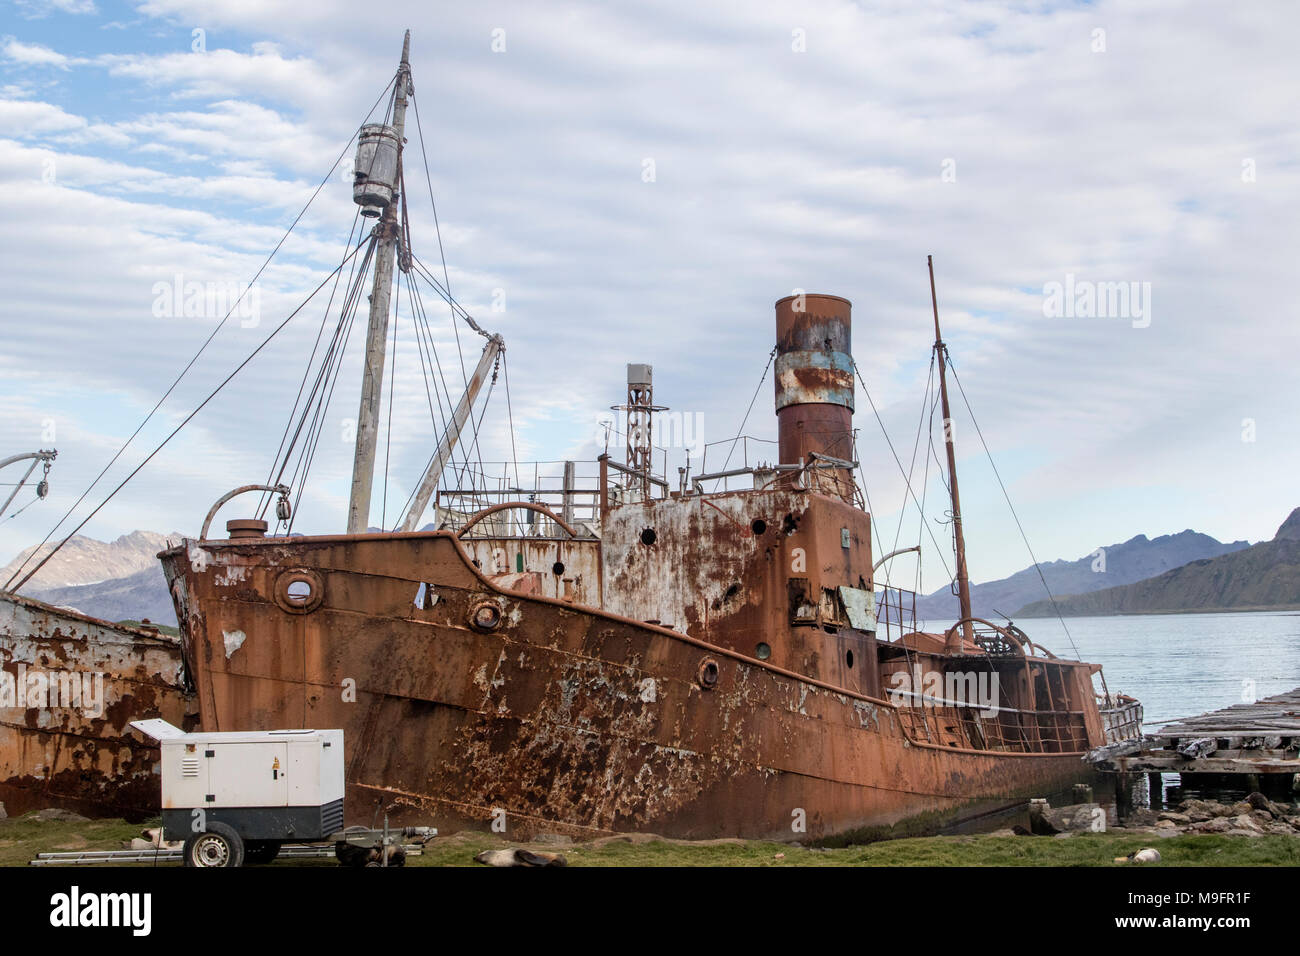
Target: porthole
{"points": [[708, 673], [648, 537], [299, 591], [848, 658], [557, 568], [758, 527], [763, 651], [485, 616]]}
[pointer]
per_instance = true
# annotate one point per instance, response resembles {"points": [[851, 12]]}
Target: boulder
{"points": [[1078, 818], [50, 814], [1141, 817]]}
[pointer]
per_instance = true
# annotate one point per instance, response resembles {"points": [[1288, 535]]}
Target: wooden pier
{"points": [[1257, 741]]}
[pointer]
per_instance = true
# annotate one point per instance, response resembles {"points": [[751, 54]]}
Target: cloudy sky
{"points": [[640, 182]]}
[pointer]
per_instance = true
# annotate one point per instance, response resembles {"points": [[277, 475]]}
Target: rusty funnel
{"points": [[814, 382]]}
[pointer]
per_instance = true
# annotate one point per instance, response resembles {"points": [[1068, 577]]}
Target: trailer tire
{"points": [[259, 852], [217, 846]]}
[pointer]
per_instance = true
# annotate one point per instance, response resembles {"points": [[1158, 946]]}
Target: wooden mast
{"points": [[372, 383], [963, 580]]}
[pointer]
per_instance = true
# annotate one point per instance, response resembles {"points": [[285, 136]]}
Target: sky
{"points": [[640, 182]]}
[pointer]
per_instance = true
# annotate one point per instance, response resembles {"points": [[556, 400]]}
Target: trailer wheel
{"points": [[258, 852], [219, 845]]}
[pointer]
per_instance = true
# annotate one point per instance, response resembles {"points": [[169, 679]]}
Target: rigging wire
{"points": [[1024, 537], [325, 378], [510, 416], [266, 497], [23, 508], [911, 470], [211, 395], [449, 416], [330, 371], [438, 230], [741, 431], [898, 461], [457, 309], [190, 363]]}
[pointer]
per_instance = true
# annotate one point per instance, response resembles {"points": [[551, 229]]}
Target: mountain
{"points": [[1265, 575], [88, 561], [134, 597], [1133, 560]]}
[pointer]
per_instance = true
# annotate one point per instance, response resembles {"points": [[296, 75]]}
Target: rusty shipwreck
{"points": [[69, 686], [615, 650]]}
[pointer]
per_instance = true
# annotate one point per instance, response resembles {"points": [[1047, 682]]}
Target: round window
{"points": [[299, 591]]}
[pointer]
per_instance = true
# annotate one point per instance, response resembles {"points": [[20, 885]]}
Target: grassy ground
{"points": [[21, 839]]}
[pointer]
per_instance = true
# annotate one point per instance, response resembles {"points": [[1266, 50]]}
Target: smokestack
{"points": [[814, 381]]}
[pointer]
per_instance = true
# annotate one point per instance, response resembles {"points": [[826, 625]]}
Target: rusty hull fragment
{"points": [[70, 757]]}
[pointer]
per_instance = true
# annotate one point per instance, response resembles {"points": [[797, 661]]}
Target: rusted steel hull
{"points": [[72, 747], [548, 715]]}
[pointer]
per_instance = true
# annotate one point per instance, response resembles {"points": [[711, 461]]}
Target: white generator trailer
{"points": [[236, 798]]}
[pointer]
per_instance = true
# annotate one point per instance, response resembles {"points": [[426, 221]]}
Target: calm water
{"points": [[1183, 664]]}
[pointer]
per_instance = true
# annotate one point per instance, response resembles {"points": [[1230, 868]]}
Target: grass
{"points": [[22, 838]]}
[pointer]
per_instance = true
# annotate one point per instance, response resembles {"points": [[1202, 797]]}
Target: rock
{"points": [[1239, 808], [1079, 818], [1166, 825], [1063, 836], [1217, 825], [1006, 832], [1244, 821], [1197, 811], [553, 839], [1170, 816], [779, 856], [50, 814], [3, 815], [1141, 818]]}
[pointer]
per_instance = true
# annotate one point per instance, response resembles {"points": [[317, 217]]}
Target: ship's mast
{"points": [[963, 580], [372, 384]]}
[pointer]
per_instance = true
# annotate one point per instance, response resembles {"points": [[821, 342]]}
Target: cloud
{"points": [[39, 9], [774, 169], [32, 54]]}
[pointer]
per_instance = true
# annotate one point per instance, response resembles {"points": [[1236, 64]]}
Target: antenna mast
{"points": [[372, 383], [963, 580]]}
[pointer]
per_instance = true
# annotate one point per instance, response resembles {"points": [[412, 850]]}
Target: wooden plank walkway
{"points": [[1261, 737]]}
